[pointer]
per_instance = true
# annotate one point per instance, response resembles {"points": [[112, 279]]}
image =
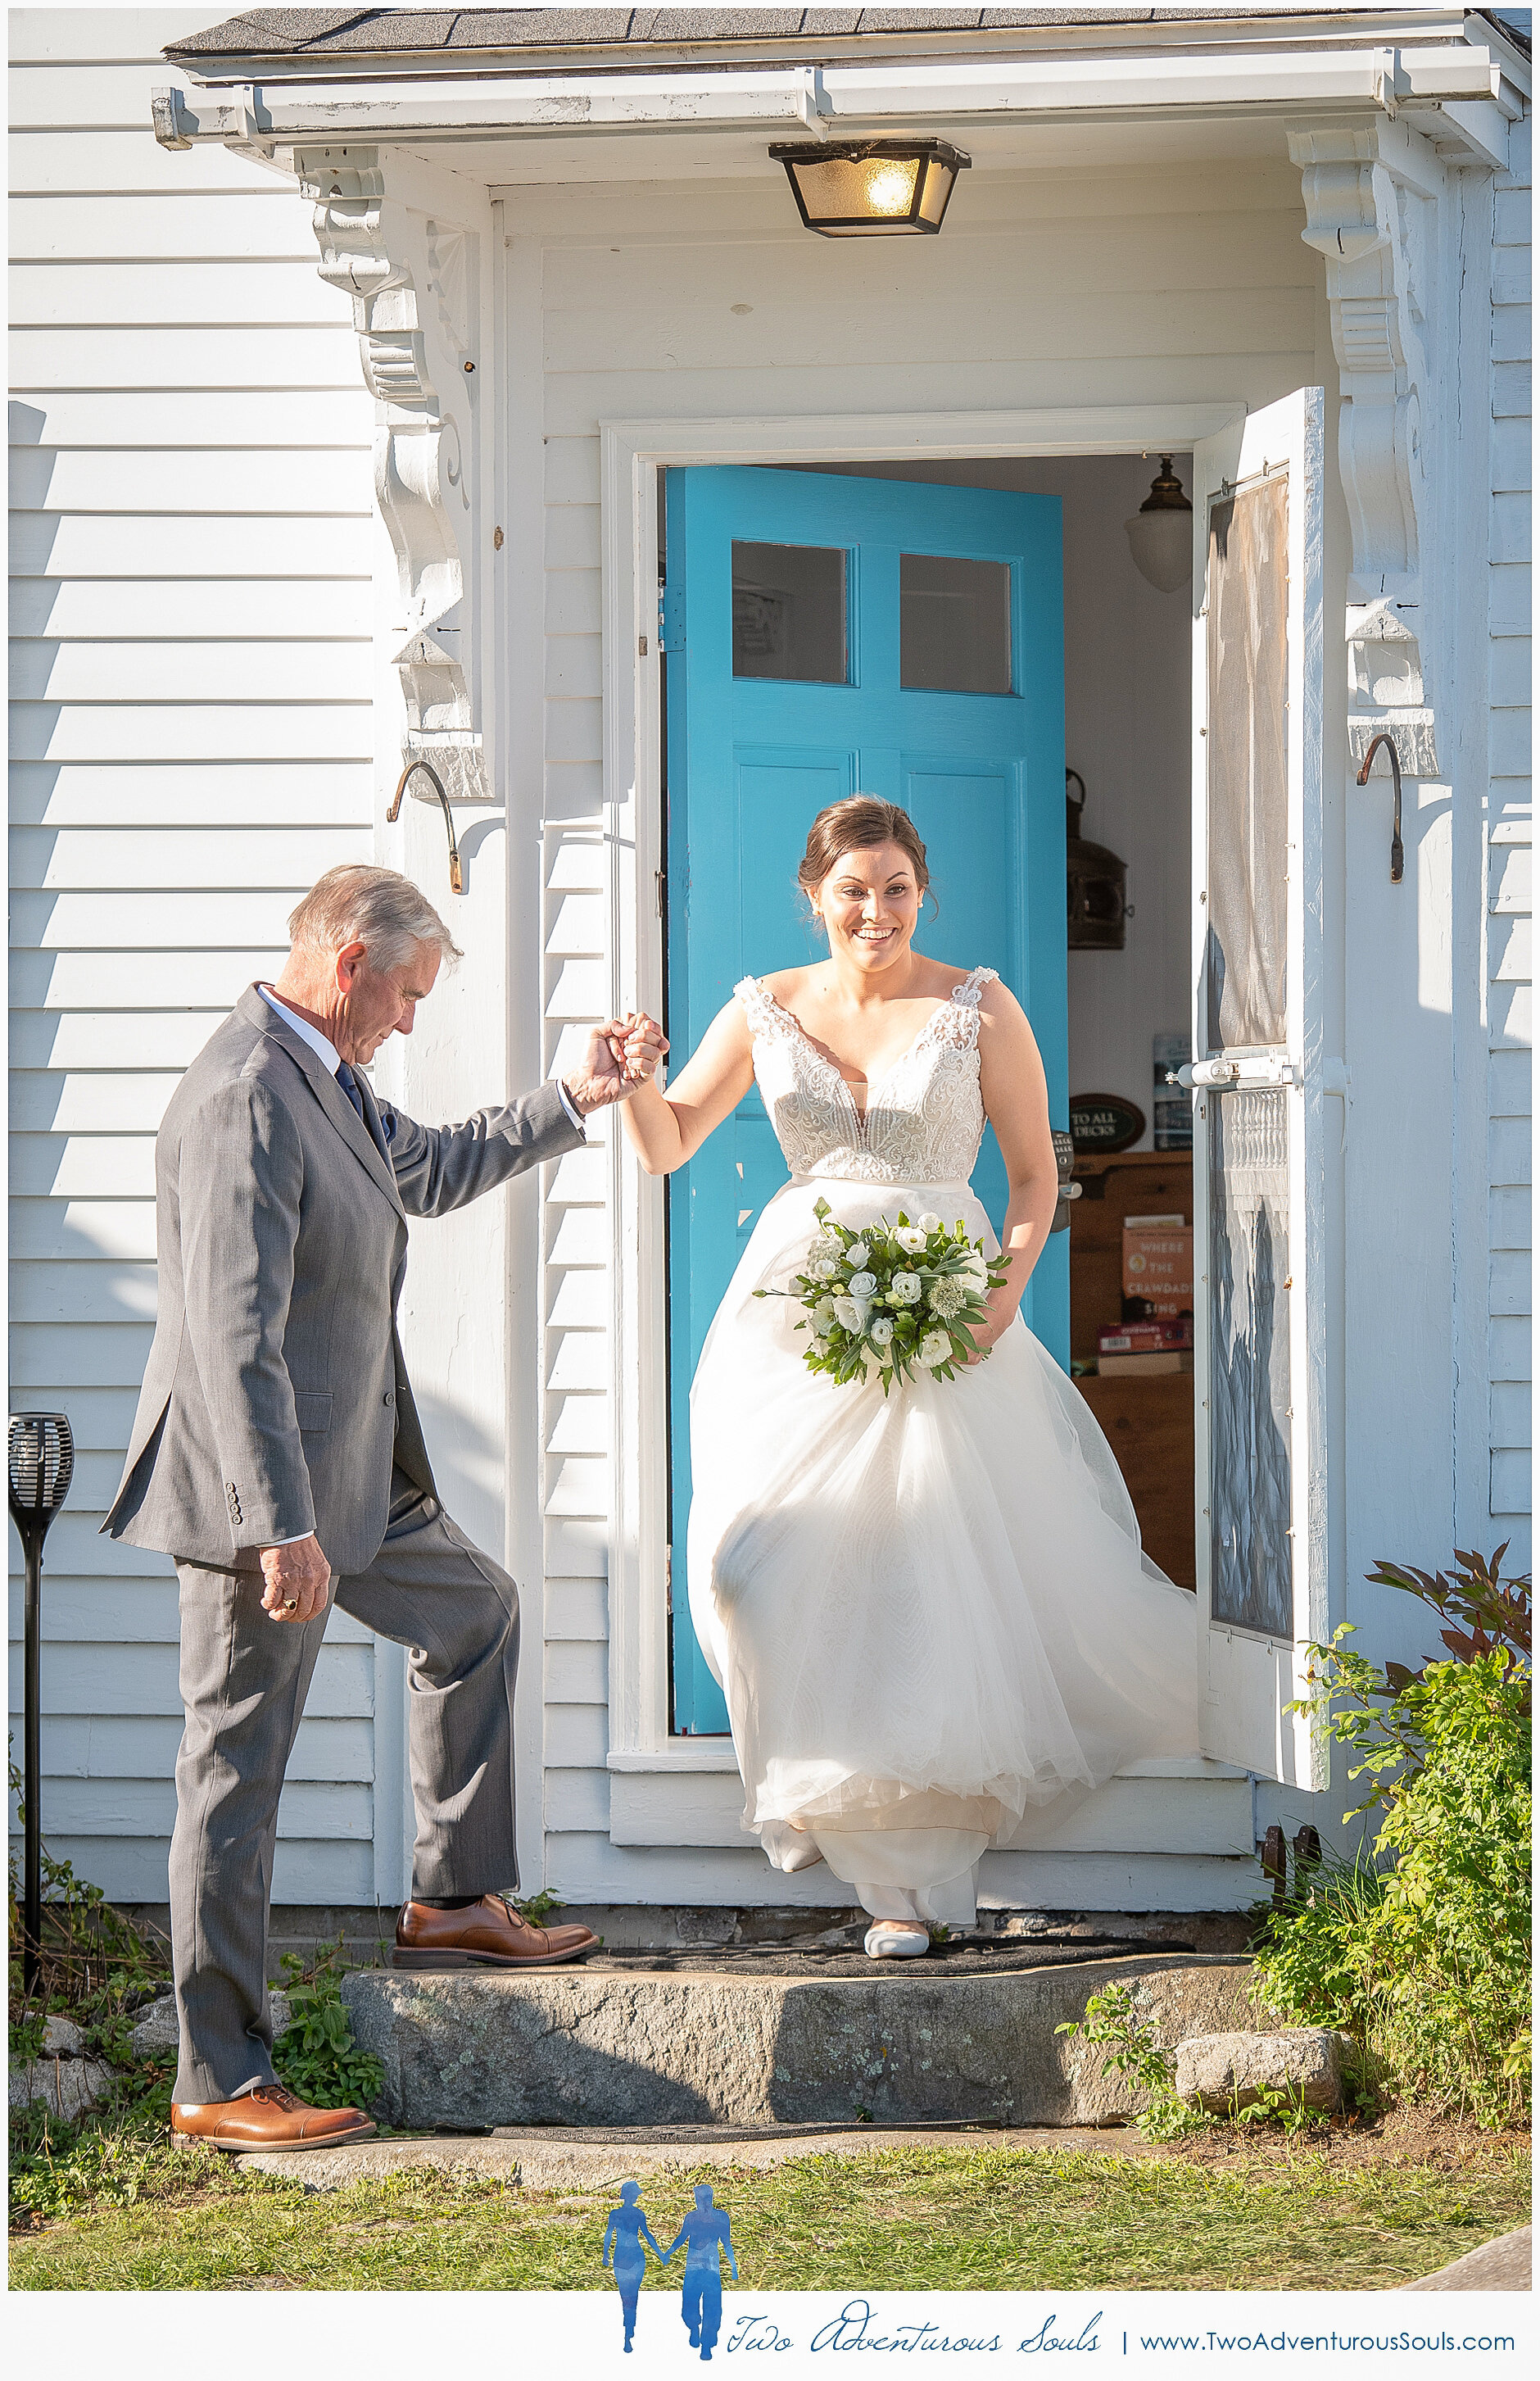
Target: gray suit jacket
{"points": [[276, 1397]]}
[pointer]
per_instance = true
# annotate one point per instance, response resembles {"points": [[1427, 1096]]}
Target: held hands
{"points": [[295, 1580], [620, 1057]]}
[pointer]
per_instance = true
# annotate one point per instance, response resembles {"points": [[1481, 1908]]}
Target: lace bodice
{"points": [[924, 1117]]}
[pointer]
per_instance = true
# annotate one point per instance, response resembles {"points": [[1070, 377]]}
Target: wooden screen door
{"points": [[826, 636], [1260, 1074]]}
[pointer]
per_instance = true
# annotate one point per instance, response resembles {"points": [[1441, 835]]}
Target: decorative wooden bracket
{"points": [[388, 261], [1364, 202], [1369, 192]]}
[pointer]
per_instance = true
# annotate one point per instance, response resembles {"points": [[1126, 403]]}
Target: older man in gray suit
{"points": [[278, 1458]]}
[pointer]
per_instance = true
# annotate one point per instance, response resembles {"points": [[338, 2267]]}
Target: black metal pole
{"points": [[33, 1764]]}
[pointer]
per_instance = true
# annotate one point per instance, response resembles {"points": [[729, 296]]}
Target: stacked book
{"points": [[1160, 1344]]}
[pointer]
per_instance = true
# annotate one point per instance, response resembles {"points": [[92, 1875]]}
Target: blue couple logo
{"points": [[706, 2233]]}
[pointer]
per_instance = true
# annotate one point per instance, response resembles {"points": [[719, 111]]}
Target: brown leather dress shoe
{"points": [[486, 1933], [268, 2118]]}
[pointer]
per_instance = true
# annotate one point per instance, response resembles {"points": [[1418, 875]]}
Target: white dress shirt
{"points": [[327, 1052], [330, 1057]]}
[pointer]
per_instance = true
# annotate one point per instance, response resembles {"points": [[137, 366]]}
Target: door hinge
{"points": [[670, 619]]}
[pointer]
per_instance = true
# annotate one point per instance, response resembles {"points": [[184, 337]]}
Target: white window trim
{"points": [[632, 452]]}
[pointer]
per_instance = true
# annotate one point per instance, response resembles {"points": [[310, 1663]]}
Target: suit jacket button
{"points": [[390, 1396]]}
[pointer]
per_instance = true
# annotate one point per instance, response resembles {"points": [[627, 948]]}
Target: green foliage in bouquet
{"points": [[892, 1300], [1420, 1946]]}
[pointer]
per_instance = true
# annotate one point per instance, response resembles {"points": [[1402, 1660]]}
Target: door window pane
{"points": [[955, 624], [1249, 1474], [789, 612], [1248, 766]]}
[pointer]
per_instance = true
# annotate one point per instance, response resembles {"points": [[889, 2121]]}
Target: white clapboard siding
{"points": [[230, 356], [253, 227], [1509, 862], [131, 295], [154, 479], [1074, 287], [57, 669], [1211, 1815], [76, 162], [130, 545], [244, 790], [115, 1747], [155, 611], [586, 1868], [44, 861], [189, 665]]}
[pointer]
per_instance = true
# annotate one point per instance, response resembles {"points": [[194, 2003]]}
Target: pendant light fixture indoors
{"points": [[1160, 533], [846, 188]]}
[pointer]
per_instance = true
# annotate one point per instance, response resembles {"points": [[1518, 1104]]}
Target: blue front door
{"points": [[827, 636]]}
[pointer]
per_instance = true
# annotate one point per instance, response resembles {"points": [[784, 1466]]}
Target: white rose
{"points": [[857, 1254], [863, 1285], [881, 1332], [823, 1269], [935, 1348], [929, 1224], [972, 1268], [847, 1314], [905, 1288], [911, 1237]]}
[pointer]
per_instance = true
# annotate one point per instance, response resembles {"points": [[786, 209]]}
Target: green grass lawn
{"points": [[1288, 2217]]}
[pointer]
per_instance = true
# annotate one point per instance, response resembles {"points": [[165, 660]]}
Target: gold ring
{"points": [[291, 1603]]}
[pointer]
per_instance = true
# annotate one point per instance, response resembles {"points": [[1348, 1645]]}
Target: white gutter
{"points": [[1461, 87]]}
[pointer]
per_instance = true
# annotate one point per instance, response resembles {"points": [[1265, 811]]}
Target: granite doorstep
{"points": [[477, 2049]]}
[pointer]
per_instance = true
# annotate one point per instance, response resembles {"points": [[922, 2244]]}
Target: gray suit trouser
{"points": [[243, 1680]]}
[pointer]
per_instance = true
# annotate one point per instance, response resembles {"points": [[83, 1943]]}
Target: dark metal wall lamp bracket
{"points": [[1397, 854], [437, 782]]}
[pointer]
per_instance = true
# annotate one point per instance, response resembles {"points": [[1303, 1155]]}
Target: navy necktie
{"points": [[348, 1084]]}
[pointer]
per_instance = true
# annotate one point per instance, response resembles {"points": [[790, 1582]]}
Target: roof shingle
{"points": [[332, 32]]}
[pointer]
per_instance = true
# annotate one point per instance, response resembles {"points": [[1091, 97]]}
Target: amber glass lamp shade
{"points": [[845, 190]]}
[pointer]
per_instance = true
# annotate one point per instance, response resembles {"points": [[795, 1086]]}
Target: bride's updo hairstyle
{"points": [[858, 823]]}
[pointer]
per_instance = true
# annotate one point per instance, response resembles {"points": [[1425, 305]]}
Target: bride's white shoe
{"points": [[789, 1847], [892, 1939]]}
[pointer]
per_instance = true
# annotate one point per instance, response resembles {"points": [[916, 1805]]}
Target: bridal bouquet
{"points": [[892, 1298]]}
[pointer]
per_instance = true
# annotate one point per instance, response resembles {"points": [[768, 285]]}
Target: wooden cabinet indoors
{"points": [[1148, 1422]]}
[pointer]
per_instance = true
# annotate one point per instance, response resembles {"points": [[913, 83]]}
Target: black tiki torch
{"points": [[42, 1465]]}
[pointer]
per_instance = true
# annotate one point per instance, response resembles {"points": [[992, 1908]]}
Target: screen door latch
{"points": [[1257, 1069]]}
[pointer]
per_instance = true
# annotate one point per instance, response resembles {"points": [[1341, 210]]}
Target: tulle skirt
{"points": [[929, 1611]]}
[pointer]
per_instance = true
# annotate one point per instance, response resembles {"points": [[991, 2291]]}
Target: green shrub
{"points": [[1420, 1946], [317, 2056], [1132, 2050]]}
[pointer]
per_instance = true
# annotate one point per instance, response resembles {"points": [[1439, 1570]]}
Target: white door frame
{"points": [[632, 452]]}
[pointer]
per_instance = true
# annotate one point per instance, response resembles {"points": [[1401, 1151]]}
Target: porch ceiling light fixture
{"points": [[1160, 533], [848, 189]]}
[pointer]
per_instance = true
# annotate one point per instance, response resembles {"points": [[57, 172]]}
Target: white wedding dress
{"points": [[930, 1610]]}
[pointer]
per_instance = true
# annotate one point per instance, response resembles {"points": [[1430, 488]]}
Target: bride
{"points": [[927, 1610]]}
